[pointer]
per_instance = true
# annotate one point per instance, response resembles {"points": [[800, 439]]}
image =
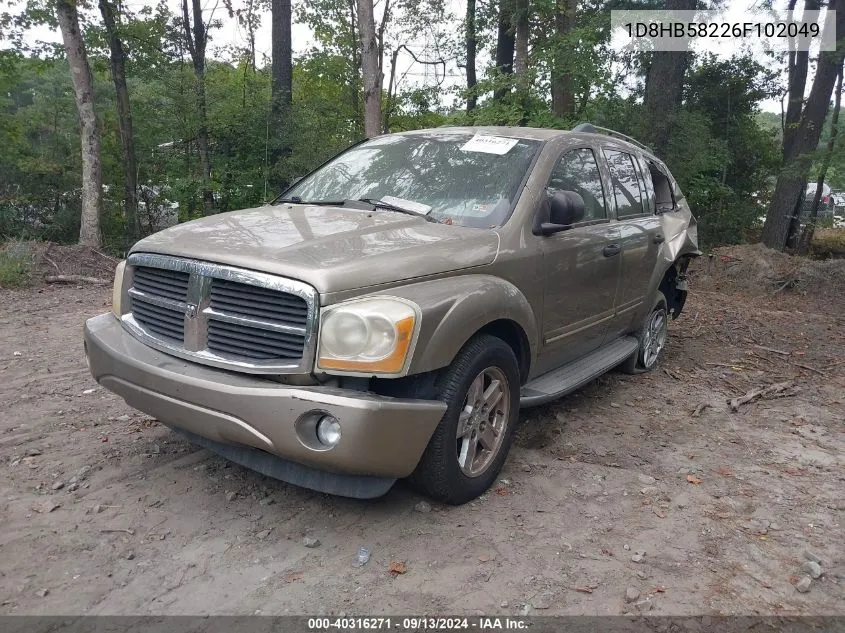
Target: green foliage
{"points": [[15, 264], [723, 151], [721, 156]]}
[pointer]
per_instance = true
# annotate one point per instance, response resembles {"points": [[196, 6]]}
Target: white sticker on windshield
{"points": [[490, 144], [419, 207]]}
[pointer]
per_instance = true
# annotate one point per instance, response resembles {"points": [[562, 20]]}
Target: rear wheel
{"points": [[471, 443], [652, 336]]}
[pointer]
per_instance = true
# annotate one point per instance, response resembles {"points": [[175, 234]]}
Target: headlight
{"points": [[367, 336], [117, 290]]}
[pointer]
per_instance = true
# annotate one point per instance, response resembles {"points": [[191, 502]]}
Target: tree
{"points": [[471, 28], [522, 32], [371, 68], [117, 61], [83, 87], [563, 97], [806, 240], [196, 38], [282, 84], [797, 64], [782, 219], [505, 45], [664, 88]]}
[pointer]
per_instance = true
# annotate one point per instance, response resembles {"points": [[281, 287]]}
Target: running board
{"points": [[566, 379]]}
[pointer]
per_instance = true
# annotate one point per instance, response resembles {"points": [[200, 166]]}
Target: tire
{"points": [[439, 474], [650, 349]]}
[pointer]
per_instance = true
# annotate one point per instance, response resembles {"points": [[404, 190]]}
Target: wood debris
{"points": [[759, 392]]}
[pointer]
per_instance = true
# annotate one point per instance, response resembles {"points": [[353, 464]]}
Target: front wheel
{"points": [[471, 443]]}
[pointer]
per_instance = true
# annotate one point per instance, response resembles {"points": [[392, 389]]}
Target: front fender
{"points": [[455, 308]]}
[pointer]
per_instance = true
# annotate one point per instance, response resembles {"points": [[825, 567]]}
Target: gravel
{"points": [[812, 556], [803, 585], [812, 568]]}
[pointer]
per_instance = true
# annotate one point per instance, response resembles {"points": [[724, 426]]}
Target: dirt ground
{"points": [[645, 485]]}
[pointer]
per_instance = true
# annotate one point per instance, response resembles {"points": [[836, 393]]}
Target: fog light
{"points": [[328, 431]]}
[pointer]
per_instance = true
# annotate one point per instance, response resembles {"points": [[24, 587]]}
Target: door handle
{"points": [[611, 249], [659, 239]]}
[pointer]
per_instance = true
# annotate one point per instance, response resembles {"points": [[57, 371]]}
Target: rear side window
{"points": [[578, 171], [626, 186], [664, 199]]}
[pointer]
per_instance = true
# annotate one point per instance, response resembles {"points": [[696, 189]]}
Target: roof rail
{"points": [[589, 128]]}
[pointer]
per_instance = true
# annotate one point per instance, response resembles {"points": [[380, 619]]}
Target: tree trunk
{"points": [[472, 48], [563, 97], [83, 88], [370, 65], [797, 82], [522, 29], [664, 88], [505, 45], [196, 36], [806, 240], [355, 65], [281, 96], [782, 219], [117, 60], [388, 107]]}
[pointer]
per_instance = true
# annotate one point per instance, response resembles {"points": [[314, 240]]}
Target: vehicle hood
{"points": [[330, 248]]}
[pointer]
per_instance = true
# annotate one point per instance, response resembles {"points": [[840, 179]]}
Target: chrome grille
{"points": [[258, 303], [220, 315], [162, 318], [172, 284], [252, 342], [166, 322]]}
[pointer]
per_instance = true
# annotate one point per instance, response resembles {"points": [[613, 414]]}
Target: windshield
{"points": [[454, 178]]}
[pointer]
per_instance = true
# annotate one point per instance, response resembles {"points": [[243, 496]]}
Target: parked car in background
{"points": [[826, 203], [838, 202], [390, 313]]}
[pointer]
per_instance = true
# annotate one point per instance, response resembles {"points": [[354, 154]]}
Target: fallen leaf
{"points": [[693, 479], [659, 513], [658, 590], [582, 589], [292, 577], [799, 353], [397, 567], [606, 552], [501, 491], [725, 471]]}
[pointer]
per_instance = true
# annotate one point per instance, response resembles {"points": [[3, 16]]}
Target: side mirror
{"points": [[565, 209]]}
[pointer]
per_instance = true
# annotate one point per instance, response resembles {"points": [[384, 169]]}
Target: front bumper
{"points": [[380, 436]]}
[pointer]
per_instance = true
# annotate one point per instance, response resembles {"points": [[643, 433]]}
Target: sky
{"points": [[230, 33]]}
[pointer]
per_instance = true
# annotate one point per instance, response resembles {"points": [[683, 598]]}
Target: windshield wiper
{"points": [[318, 203], [381, 204]]}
